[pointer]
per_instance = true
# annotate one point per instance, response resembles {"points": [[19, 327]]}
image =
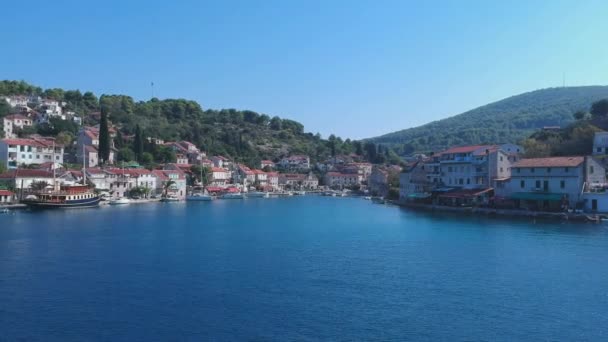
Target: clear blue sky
{"points": [[354, 68]]}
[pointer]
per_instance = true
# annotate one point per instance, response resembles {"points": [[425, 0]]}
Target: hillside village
{"points": [[31, 161]]}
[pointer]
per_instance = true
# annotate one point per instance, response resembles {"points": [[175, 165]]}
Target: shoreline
{"points": [[507, 213]]}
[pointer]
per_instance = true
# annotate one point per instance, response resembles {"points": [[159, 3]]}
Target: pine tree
{"points": [[104, 137]]}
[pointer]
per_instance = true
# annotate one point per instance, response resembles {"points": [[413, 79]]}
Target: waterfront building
{"points": [[363, 169], [295, 162], [16, 152], [298, 181], [176, 188], [473, 167], [273, 180], [15, 122], [378, 182], [339, 180], [219, 176], [261, 178], [24, 178], [415, 182], [553, 183]]}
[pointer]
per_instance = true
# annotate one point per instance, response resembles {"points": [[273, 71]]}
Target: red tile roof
{"points": [[6, 193], [26, 173], [218, 169], [16, 117], [550, 162], [466, 149]]}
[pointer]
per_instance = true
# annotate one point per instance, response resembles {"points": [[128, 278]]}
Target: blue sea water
{"points": [[297, 269]]}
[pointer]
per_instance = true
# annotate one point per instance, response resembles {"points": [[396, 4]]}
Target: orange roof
{"points": [[550, 162], [218, 169], [466, 149]]}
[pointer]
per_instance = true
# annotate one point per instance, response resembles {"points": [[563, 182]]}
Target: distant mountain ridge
{"points": [[507, 120]]}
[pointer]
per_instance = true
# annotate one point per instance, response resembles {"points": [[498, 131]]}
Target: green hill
{"points": [[508, 120], [243, 135]]}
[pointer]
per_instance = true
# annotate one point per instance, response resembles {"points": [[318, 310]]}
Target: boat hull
{"points": [[83, 203], [199, 198]]}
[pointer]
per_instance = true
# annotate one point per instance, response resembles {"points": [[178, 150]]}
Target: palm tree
{"points": [[39, 186], [167, 186]]}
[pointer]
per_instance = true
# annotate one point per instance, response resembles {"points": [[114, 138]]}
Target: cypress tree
{"points": [[138, 143], [104, 137]]}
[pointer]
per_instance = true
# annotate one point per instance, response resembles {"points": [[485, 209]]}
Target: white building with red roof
{"points": [[16, 152], [173, 182], [295, 162], [550, 183], [220, 176], [272, 179], [342, 180], [14, 122], [23, 178]]}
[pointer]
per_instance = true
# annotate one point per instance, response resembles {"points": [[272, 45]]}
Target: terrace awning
{"points": [[538, 196], [419, 195], [466, 193]]}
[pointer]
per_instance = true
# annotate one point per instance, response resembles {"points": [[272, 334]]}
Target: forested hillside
{"points": [[244, 135], [508, 120]]}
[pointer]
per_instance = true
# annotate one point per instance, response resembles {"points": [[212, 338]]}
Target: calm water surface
{"points": [[310, 268]]}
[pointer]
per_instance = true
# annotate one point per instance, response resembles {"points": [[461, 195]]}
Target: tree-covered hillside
{"points": [[243, 135], [508, 120]]}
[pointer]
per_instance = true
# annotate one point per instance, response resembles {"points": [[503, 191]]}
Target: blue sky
{"points": [[354, 68]]}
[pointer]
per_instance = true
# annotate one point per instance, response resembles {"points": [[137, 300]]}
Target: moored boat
{"points": [[233, 195], [199, 197], [257, 194], [75, 196], [117, 201], [170, 198]]}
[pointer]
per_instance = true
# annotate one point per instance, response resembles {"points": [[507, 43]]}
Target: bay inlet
{"points": [[299, 268]]}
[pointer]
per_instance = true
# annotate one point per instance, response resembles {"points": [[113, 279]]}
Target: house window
{"points": [[501, 169], [566, 169], [537, 184], [500, 158], [548, 170], [517, 169], [562, 184], [591, 169], [37, 156], [23, 156], [532, 169], [599, 149], [468, 180], [522, 184]]}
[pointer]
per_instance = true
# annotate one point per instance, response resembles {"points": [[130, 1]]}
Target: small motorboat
{"points": [[199, 197], [117, 201], [233, 195], [170, 198], [368, 198]]}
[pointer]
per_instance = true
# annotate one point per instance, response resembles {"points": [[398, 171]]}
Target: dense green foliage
{"points": [[508, 120], [574, 139], [243, 135]]}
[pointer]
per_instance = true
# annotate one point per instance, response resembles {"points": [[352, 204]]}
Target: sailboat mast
{"points": [[84, 166]]}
